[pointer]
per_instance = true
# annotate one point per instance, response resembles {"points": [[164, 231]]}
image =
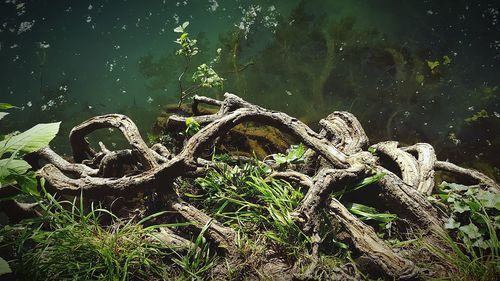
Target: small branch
{"points": [[468, 173], [224, 236], [50, 156]]}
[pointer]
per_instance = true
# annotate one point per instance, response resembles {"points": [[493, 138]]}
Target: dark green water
{"points": [[70, 60]]}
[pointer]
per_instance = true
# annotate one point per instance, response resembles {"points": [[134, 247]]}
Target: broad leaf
{"points": [[451, 223], [4, 267], [12, 166], [6, 105], [471, 230], [489, 200], [31, 140], [460, 207], [3, 114]]}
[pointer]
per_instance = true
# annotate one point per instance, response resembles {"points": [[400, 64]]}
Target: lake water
{"points": [[409, 70]]}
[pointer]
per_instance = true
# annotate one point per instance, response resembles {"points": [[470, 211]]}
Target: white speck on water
{"points": [[88, 19], [29, 104], [288, 92], [117, 47], [470, 108], [176, 18], [149, 100], [213, 5], [14, 46], [43, 45], [89, 107], [90, 7], [497, 115], [124, 92], [25, 26], [124, 27]]}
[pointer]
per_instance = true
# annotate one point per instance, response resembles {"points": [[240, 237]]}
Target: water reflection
{"points": [[419, 71]]}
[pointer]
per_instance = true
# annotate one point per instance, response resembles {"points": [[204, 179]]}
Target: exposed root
{"points": [[335, 158]]}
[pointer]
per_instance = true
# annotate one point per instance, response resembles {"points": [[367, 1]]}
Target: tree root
{"points": [[336, 157]]}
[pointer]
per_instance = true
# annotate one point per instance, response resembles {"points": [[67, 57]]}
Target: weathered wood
{"points": [[345, 132], [475, 175], [405, 161], [426, 162], [224, 236], [81, 148], [375, 255]]}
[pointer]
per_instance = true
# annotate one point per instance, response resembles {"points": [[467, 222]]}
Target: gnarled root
{"points": [[335, 158]]}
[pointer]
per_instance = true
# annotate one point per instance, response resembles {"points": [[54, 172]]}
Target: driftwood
{"points": [[337, 155]]}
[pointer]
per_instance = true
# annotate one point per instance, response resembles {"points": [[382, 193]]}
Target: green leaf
{"points": [[432, 64], [3, 114], [489, 200], [31, 140], [456, 186], [28, 183], [451, 223], [181, 28], [460, 207], [369, 180], [6, 105], [279, 158], [369, 213], [471, 230], [372, 150], [12, 166], [446, 60], [4, 267], [296, 152]]}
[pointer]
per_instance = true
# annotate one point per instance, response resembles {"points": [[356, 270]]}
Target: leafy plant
{"points": [[205, 76], [294, 156], [197, 260], [366, 213], [472, 212], [247, 200], [192, 126], [14, 170]]}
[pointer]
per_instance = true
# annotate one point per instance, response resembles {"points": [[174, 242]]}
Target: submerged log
{"points": [[335, 157]]}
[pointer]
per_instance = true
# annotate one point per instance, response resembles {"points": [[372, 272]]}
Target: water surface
{"points": [[409, 70]]}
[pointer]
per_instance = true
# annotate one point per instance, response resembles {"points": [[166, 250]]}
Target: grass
{"points": [[70, 243], [250, 201], [67, 243], [466, 261]]}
